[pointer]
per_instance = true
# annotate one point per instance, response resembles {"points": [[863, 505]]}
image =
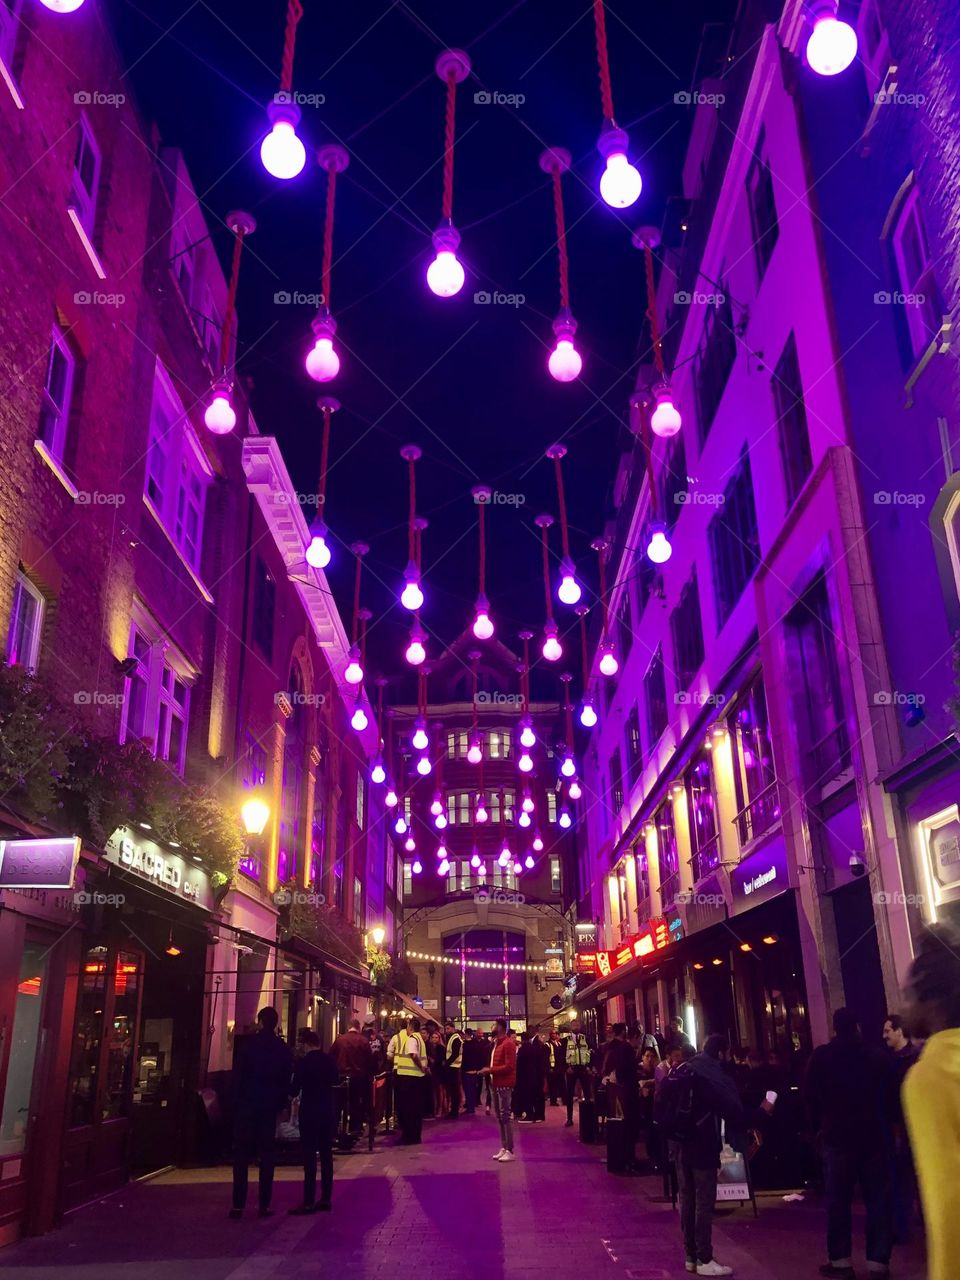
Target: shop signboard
{"points": [[585, 962], [146, 860], [39, 864], [759, 877]]}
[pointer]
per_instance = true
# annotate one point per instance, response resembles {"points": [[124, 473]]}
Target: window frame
{"points": [[159, 665], [733, 568], [24, 587], [49, 409], [686, 631], [82, 199], [924, 284], [760, 192], [172, 437], [786, 387]]}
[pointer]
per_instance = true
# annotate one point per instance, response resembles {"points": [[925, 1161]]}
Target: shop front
{"points": [[138, 1045], [41, 884]]}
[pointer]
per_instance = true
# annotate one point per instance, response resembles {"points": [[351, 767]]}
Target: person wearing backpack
{"points": [[693, 1100]]}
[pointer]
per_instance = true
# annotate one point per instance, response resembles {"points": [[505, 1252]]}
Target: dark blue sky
{"points": [[468, 383]]}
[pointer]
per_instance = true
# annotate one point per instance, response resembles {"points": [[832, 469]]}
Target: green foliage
{"points": [[35, 738], [380, 967]]}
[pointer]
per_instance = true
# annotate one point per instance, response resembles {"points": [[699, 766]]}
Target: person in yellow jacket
{"points": [[409, 1069], [931, 1096]]}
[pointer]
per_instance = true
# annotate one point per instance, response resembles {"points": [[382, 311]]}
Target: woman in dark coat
{"points": [[529, 1065]]}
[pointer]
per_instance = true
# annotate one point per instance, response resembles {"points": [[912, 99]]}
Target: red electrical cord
{"points": [[411, 532], [561, 239], [603, 60], [652, 313], [448, 145], [231, 297], [328, 234], [324, 459], [483, 550], [546, 572], [294, 14], [562, 499]]}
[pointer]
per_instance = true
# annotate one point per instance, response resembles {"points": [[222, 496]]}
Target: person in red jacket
{"points": [[503, 1075]]}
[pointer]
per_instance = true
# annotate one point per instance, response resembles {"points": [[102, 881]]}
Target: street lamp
{"points": [[377, 935], [254, 813]]}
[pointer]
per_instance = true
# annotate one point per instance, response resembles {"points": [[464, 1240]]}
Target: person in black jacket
{"points": [[851, 1093], [262, 1065], [476, 1056], [314, 1078], [621, 1070]]}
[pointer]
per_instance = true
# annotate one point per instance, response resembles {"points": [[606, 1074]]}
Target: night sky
{"points": [[466, 382]]}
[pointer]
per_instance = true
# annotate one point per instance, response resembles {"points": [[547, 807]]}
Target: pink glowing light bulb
{"points": [[410, 844], [62, 6], [282, 153], [564, 819], [538, 842], [528, 862], [552, 648], [568, 592], [436, 804], [391, 799], [417, 866], [219, 415], [482, 622], [832, 45], [416, 653], [609, 666], [528, 738], [475, 750], [588, 713], [443, 867], [440, 821], [620, 183], [445, 274], [411, 597], [475, 860], [353, 672], [400, 826], [568, 766], [575, 791], [665, 419], [318, 554], [524, 819], [527, 804], [420, 740], [378, 773], [323, 363], [359, 720], [517, 868], [505, 856], [481, 814], [659, 549], [424, 766], [564, 362], [525, 763]]}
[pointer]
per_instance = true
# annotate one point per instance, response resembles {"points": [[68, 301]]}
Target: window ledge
{"points": [[57, 468], [195, 577], [87, 243], [938, 347], [7, 76]]}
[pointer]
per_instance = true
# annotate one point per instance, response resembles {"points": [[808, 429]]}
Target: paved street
{"points": [[555, 1213]]}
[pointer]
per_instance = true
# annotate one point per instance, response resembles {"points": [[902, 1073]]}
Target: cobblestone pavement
{"points": [[555, 1214]]}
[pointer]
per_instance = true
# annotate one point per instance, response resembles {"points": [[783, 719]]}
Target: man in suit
{"points": [[314, 1078], [262, 1066]]}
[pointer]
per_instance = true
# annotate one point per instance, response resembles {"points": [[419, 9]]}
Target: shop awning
{"points": [[614, 984], [410, 1005]]}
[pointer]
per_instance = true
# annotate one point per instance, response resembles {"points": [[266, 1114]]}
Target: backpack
{"points": [[674, 1108]]}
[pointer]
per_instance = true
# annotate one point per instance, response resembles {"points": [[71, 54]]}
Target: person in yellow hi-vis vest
{"points": [[409, 1068], [577, 1063]]}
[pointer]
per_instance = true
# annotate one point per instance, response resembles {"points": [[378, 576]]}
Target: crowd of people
{"points": [[885, 1118]]}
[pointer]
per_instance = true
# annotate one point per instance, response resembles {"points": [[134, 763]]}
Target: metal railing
{"points": [[669, 888], [760, 814], [706, 859]]}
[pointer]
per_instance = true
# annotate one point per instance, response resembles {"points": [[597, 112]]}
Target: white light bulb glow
{"points": [[353, 674], [323, 363], [445, 275], [417, 866], [528, 862], [420, 741], [564, 362], [504, 857], [576, 791], [436, 806], [318, 554], [528, 738], [475, 860], [481, 814], [411, 597], [359, 720], [588, 715], [415, 653], [527, 804], [832, 46], [474, 751], [400, 825], [659, 549], [219, 416], [282, 153], [568, 766], [391, 799], [609, 666], [482, 626], [665, 419], [538, 843], [621, 184], [552, 649], [524, 820], [517, 868], [525, 763], [378, 774], [568, 591], [564, 819], [424, 766], [440, 821], [410, 844], [62, 6]]}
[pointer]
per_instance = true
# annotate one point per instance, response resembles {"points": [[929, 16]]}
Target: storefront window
{"points": [[23, 1048], [88, 1036], [122, 1035], [643, 884], [758, 798], [669, 856], [702, 812], [107, 1011]]}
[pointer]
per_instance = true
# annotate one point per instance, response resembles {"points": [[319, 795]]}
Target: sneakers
{"points": [[691, 1266], [501, 1152], [713, 1268], [842, 1270], [506, 1157]]}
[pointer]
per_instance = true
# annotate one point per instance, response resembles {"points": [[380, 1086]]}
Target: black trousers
{"points": [[556, 1085], [573, 1075], [314, 1139], [409, 1094], [453, 1090], [538, 1100], [359, 1098], [254, 1136], [843, 1169]]}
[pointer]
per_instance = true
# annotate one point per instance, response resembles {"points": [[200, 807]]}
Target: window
{"points": [[643, 882], [625, 623], [655, 695], [391, 869], [26, 624], [920, 300], [177, 471], [253, 776], [361, 801], [873, 46], [551, 806], [157, 697], [673, 482], [556, 878], [634, 745], [668, 856], [499, 744], [686, 628], [758, 801], [264, 606], [702, 816], [812, 656], [458, 808], [407, 881], [616, 782], [457, 745], [763, 208], [718, 351], [734, 541], [86, 177], [57, 395], [791, 420], [357, 903]]}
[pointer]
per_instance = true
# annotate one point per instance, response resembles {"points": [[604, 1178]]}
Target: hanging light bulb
{"points": [[323, 363], [659, 549], [609, 666], [568, 766], [564, 361], [517, 868], [378, 773], [359, 720], [391, 799], [833, 44], [588, 713], [482, 623], [538, 842], [353, 672], [400, 826], [568, 591], [575, 791], [528, 862], [482, 872], [525, 763], [415, 653], [445, 274], [443, 867], [440, 821], [417, 866], [219, 416], [528, 738], [420, 740], [318, 549], [62, 6], [620, 183], [552, 649], [475, 860], [410, 844], [475, 749], [665, 419], [527, 804], [564, 819], [411, 597], [442, 851], [481, 814], [436, 804], [505, 856], [424, 766], [524, 819], [282, 152]]}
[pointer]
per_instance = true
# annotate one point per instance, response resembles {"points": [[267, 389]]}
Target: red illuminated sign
{"points": [[603, 963], [586, 962]]}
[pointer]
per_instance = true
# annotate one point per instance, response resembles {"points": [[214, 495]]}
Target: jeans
{"points": [[254, 1134], [502, 1102], [314, 1138], [471, 1092], [573, 1075], [410, 1093], [843, 1168], [698, 1194]]}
